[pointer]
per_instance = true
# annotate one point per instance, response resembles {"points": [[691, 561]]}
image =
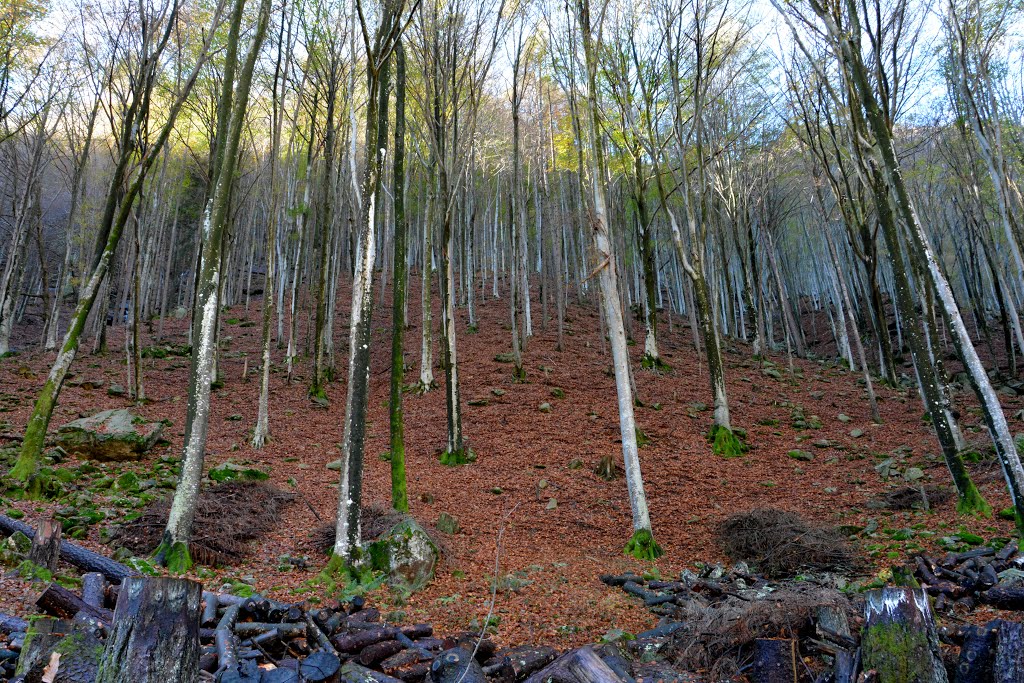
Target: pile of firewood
{"points": [[165, 629], [127, 628], [961, 581]]}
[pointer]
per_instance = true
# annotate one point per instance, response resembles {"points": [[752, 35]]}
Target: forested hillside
{"points": [[564, 286]]}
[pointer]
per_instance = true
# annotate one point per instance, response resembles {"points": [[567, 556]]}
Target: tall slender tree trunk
{"points": [[642, 544]]}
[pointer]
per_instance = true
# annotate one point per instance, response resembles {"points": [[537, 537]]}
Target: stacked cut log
{"points": [[235, 639], [962, 581]]}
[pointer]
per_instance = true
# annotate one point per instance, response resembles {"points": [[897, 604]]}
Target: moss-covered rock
{"points": [[406, 555], [115, 435]]}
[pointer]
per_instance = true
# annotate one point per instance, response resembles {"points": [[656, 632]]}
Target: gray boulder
{"points": [[115, 435], [406, 554]]}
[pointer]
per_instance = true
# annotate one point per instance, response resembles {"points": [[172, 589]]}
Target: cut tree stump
{"points": [[576, 666], [774, 661], [1009, 660], [155, 634], [45, 549], [977, 654], [40, 638], [899, 640]]}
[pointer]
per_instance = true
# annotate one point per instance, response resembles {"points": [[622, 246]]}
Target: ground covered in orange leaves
{"points": [[550, 553]]}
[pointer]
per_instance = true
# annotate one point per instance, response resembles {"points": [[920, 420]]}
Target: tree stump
{"points": [[774, 661], [977, 654], [899, 640], [1009, 660], [45, 549], [576, 666], [40, 638], [155, 635]]}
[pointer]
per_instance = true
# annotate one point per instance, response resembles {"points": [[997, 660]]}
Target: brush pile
{"points": [[228, 518]]}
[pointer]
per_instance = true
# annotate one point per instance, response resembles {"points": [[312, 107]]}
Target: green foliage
{"points": [[343, 580]]}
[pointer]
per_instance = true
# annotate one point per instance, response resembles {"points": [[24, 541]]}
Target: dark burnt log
{"points": [[899, 639], [75, 555], [405, 662], [280, 675], [989, 577], [354, 673], [611, 655], [1004, 598], [60, 602], [320, 667], [254, 628], [977, 654], [227, 649], [247, 672], [430, 644], [1009, 661], [972, 554], [418, 631], [155, 634], [378, 652], [620, 580], [210, 605], [774, 661], [576, 666], [846, 666], [45, 548], [94, 589], [354, 642], [10, 624], [456, 665], [1007, 551], [321, 639], [527, 659]]}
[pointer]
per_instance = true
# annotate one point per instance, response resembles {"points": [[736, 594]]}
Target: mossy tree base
{"points": [[519, 375], [175, 557], [460, 456], [973, 503], [726, 443], [642, 546], [654, 364], [422, 387], [39, 485], [317, 393], [606, 468]]}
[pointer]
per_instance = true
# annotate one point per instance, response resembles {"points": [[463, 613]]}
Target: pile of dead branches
{"points": [[228, 517], [782, 544]]}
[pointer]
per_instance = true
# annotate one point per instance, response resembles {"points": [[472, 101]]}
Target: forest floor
{"points": [[550, 554]]}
